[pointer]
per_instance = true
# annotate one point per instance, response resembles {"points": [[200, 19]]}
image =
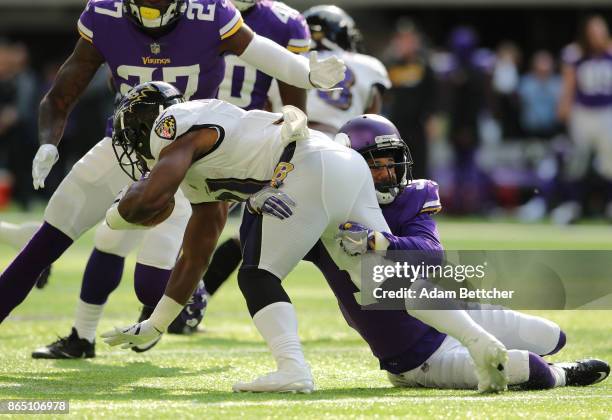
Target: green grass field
{"points": [[191, 377]]}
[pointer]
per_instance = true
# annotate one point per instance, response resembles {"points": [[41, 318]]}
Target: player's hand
{"points": [[45, 158], [354, 238], [272, 202], [134, 335], [326, 73], [295, 125]]}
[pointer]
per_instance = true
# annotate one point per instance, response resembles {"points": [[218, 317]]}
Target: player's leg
{"points": [[78, 204], [225, 260], [271, 248], [451, 367], [520, 331], [17, 235]]}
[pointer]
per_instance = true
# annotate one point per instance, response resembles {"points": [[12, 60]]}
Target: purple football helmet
{"points": [[374, 136], [192, 314]]}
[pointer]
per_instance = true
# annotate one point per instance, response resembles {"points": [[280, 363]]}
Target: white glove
{"points": [[44, 160], [134, 335], [326, 73], [295, 125]]}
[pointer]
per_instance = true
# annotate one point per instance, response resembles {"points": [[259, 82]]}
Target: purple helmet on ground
{"points": [[374, 136]]}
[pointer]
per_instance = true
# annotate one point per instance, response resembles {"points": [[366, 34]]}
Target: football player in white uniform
{"points": [[217, 152], [333, 31]]}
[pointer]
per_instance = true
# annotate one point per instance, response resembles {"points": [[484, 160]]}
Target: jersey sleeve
{"points": [[169, 125], [85, 25], [228, 18], [375, 71], [417, 234], [432, 204], [299, 35]]}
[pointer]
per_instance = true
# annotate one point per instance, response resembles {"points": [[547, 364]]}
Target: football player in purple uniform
{"points": [[146, 30], [401, 342], [415, 352], [244, 86]]}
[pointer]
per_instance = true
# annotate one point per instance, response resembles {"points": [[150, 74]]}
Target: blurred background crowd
{"points": [[479, 94]]}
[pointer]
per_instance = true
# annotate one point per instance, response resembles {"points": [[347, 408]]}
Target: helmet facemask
{"points": [[152, 19], [399, 172], [125, 144]]}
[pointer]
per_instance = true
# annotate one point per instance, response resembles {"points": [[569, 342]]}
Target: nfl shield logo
{"points": [[155, 48]]}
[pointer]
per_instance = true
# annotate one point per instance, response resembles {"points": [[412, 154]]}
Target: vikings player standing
{"points": [[333, 32], [155, 43], [411, 350]]}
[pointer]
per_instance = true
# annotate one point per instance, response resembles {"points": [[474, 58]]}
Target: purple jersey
{"points": [[408, 217], [398, 340], [187, 56], [245, 86], [593, 76]]}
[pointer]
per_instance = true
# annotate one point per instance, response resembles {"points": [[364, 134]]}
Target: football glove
{"points": [[356, 239], [295, 125], [134, 335], [272, 202], [45, 158], [326, 73]]}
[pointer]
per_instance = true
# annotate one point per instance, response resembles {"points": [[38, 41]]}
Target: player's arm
{"points": [[278, 62], [291, 95], [72, 79], [568, 91], [146, 199], [201, 236]]}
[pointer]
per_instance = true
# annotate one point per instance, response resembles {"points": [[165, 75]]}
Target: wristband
{"points": [[165, 312], [115, 221], [381, 243]]}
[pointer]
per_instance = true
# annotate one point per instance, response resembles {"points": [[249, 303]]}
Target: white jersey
{"points": [[337, 107], [240, 163]]}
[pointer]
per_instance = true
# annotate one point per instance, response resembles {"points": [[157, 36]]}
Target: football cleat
{"points": [[145, 313], [584, 372], [490, 358], [299, 381], [70, 347], [43, 279]]}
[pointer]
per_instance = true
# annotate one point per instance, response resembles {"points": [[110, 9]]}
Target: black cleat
{"points": [[145, 313], [43, 279], [71, 347], [585, 372]]}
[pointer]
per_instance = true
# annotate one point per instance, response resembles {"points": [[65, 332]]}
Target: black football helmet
{"points": [[154, 18], [133, 122], [331, 28]]}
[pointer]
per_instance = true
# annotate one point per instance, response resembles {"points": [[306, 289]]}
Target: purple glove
{"points": [[355, 238], [272, 202]]}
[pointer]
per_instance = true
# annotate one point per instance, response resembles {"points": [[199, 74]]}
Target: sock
{"points": [[541, 376], [225, 260], [46, 246], [87, 319], [17, 235], [150, 283], [558, 373], [277, 324], [102, 275]]}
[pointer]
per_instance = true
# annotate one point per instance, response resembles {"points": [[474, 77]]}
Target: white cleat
{"points": [[490, 358], [279, 381]]}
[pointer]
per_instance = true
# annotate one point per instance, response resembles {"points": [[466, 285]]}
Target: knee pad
{"points": [[260, 288]]}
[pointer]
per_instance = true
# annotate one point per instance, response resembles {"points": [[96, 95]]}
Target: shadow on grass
{"points": [[86, 381]]}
